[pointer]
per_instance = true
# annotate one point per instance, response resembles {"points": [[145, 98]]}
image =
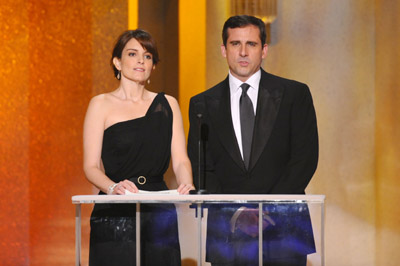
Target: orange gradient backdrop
{"points": [[14, 136], [49, 53], [60, 49]]}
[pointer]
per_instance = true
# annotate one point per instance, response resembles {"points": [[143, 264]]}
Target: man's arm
{"points": [[303, 144], [192, 146]]}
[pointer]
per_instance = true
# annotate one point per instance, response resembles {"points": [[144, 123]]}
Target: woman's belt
{"points": [[141, 180]]}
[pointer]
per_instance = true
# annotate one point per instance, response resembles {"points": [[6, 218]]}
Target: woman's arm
{"points": [[180, 160]]}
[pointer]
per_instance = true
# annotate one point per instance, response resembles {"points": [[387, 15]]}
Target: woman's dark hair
{"points": [[143, 37], [243, 21]]}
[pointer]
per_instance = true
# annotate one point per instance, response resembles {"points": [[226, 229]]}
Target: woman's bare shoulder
{"points": [[174, 104], [171, 100], [101, 100]]}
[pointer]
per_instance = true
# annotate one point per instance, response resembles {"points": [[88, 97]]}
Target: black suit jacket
{"points": [[284, 152]]}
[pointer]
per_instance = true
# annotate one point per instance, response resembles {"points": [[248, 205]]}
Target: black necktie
{"points": [[246, 123]]}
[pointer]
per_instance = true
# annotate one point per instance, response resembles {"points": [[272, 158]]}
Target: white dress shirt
{"points": [[236, 92]]}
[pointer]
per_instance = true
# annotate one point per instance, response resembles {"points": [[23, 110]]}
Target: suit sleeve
{"points": [[193, 138], [303, 146]]}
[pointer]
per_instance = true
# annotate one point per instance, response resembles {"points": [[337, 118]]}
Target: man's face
{"points": [[244, 51]]}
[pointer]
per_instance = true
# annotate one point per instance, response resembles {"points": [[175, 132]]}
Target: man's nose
{"points": [[243, 50]]}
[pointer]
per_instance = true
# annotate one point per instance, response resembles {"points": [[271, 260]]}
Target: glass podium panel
{"points": [[240, 228]]}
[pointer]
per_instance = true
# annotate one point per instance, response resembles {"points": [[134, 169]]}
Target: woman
{"points": [[130, 134]]}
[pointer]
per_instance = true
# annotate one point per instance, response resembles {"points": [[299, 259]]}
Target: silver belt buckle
{"points": [[141, 180]]}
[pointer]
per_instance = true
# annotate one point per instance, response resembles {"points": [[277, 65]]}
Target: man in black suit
{"points": [[260, 137]]}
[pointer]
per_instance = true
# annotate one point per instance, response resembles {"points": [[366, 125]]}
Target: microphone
{"points": [[199, 107]]}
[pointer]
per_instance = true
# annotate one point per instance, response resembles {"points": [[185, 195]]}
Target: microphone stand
{"points": [[200, 175]]}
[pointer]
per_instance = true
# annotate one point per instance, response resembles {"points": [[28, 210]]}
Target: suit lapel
{"points": [[220, 110], [268, 102]]}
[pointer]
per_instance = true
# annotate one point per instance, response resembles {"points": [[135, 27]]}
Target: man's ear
{"points": [[117, 63], [265, 51], [223, 50]]}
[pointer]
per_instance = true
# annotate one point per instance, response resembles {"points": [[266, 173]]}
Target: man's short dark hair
{"points": [[243, 21]]}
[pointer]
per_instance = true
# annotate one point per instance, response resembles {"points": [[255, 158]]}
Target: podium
{"points": [[192, 216]]}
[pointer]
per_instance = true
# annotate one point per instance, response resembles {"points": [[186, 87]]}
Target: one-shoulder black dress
{"points": [[134, 148]]}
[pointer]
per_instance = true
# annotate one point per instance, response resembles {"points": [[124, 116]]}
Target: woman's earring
{"points": [[148, 81], [119, 75]]}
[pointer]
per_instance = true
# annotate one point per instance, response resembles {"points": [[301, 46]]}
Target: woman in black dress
{"points": [[130, 134]]}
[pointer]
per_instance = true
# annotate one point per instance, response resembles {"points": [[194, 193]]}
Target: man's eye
{"points": [[252, 44]]}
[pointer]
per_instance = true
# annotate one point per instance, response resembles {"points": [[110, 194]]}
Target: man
{"points": [[260, 137]]}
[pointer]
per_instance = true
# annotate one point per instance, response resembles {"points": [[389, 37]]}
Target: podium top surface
{"points": [[205, 198]]}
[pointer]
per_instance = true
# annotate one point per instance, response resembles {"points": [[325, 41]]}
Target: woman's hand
{"points": [[126, 184], [184, 189]]}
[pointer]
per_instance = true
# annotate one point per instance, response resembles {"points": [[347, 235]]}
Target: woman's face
{"points": [[135, 63]]}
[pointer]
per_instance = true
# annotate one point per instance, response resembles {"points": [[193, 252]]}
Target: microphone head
{"points": [[199, 107]]}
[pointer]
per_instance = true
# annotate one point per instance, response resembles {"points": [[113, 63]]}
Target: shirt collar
{"points": [[253, 81]]}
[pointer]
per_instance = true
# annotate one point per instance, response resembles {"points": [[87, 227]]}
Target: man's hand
{"points": [[247, 221]]}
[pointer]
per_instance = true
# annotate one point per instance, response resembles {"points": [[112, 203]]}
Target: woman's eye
{"points": [[131, 54], [148, 57]]}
